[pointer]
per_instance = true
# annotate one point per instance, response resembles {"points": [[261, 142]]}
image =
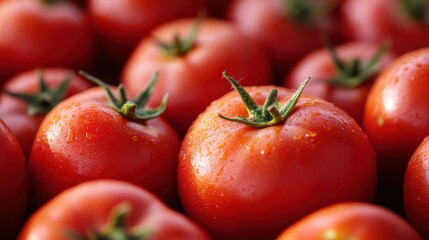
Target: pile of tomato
{"points": [[214, 119]]}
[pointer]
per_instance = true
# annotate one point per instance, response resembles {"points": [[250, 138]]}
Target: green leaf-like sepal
{"points": [[353, 73], [43, 101], [132, 109], [115, 229], [181, 46], [271, 113]]}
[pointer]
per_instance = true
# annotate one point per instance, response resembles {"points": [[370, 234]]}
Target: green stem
{"points": [[51, 2], [271, 113], [306, 11], [46, 98], [116, 228], [181, 46], [353, 73], [418, 10], [132, 109]]}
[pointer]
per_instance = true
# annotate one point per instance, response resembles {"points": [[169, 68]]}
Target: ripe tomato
{"points": [[351, 220], [122, 24], [85, 138], [13, 180], [404, 22], [108, 209], [36, 33], [24, 116], [240, 182], [341, 74], [396, 117], [416, 193], [191, 75], [289, 29]]}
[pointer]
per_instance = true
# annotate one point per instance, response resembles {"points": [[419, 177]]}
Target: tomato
{"points": [[351, 220], [85, 137], [416, 193], [191, 75], [106, 209], [13, 182], [35, 33], [396, 117], [341, 74], [243, 182], [289, 29], [404, 22], [25, 116], [122, 24]]}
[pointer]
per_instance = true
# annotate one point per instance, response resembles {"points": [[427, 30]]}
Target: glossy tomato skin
{"points": [[36, 34], [13, 180], [14, 111], [378, 20], [396, 116], [351, 220], [88, 206], [416, 193], [321, 67], [286, 40], [120, 25], [84, 138], [240, 182], [195, 79]]}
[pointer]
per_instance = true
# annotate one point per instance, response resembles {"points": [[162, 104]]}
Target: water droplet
{"points": [[223, 156], [70, 135], [135, 138]]}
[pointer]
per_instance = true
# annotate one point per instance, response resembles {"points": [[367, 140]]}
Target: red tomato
{"points": [[240, 182], [193, 78], [111, 209], [25, 117], [288, 29], [396, 117], [416, 192], [13, 181], [34, 33], [122, 24], [404, 22], [351, 220], [345, 82], [85, 138]]}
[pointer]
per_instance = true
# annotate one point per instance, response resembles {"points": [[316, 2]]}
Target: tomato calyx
{"points": [[271, 113], [306, 11], [353, 73], [115, 229], [132, 109], [418, 10], [43, 101], [181, 46], [51, 2]]}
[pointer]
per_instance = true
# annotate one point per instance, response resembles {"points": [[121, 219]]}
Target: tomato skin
{"points": [[120, 25], [13, 180], [14, 111], [416, 194], [396, 116], [378, 20], [320, 66], [286, 40], [351, 220], [239, 182], [88, 206], [84, 138], [34, 34], [194, 80]]}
